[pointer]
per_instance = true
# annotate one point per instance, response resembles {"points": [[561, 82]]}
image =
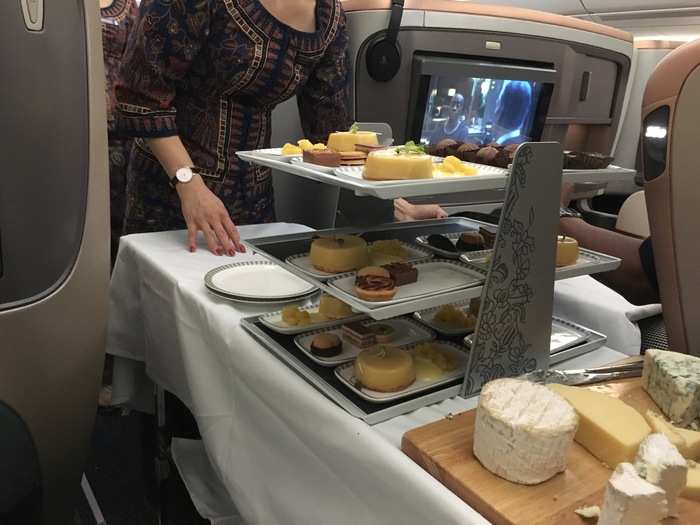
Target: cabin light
{"points": [[451, 92], [656, 132], [433, 93]]}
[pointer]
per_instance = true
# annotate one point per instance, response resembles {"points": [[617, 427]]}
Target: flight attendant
{"points": [[198, 82]]}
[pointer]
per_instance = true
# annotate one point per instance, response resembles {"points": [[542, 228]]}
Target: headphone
{"points": [[384, 55]]}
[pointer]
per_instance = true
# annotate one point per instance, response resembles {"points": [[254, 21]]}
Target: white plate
{"points": [[355, 172], [433, 277], [276, 302], [257, 280], [427, 317], [277, 153], [303, 261], [564, 336], [407, 332], [274, 321], [346, 374], [299, 161]]}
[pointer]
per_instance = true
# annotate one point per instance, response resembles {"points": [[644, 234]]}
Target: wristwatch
{"points": [[182, 176], [569, 212]]}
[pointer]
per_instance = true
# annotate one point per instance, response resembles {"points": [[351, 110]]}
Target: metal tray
{"points": [[274, 321], [472, 256]]}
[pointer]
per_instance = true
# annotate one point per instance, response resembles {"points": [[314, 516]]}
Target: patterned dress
{"points": [[117, 20], [211, 71]]}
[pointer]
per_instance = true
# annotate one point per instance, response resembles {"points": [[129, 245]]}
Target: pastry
{"points": [[467, 152], [441, 148], [384, 333], [352, 158], [333, 308], [408, 162], [486, 155], [359, 335], [567, 251], [442, 243], [386, 252], [432, 362], [307, 145], [341, 253], [294, 316], [385, 369], [373, 283], [367, 148], [489, 237], [453, 166], [574, 160], [505, 156], [347, 140], [326, 345], [402, 273], [323, 157], [470, 242], [291, 149], [454, 317]]}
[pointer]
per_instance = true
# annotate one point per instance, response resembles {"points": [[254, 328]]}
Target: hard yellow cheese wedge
{"points": [[692, 488], [609, 429], [686, 441]]}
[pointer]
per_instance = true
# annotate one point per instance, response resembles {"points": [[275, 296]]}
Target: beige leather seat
{"points": [[632, 218]]}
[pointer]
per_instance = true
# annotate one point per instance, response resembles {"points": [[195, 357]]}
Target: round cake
{"points": [[333, 308], [346, 140], [390, 165], [523, 431], [326, 345], [385, 369], [341, 253], [567, 251]]}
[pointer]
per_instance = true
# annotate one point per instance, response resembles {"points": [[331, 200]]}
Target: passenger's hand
{"points": [[203, 211], [405, 211]]}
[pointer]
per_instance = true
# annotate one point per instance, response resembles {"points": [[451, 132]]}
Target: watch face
{"points": [[184, 175]]}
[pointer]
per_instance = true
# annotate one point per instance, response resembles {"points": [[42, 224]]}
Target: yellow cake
{"points": [[391, 164], [385, 369], [333, 308], [341, 253], [567, 251], [346, 140]]}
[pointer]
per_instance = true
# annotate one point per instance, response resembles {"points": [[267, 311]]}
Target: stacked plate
{"points": [[257, 282]]}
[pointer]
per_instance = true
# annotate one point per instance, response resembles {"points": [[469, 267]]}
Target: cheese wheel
{"points": [[523, 431], [387, 165], [385, 369], [346, 140], [341, 253]]}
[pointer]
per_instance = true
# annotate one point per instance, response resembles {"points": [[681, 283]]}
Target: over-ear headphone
{"points": [[384, 55]]}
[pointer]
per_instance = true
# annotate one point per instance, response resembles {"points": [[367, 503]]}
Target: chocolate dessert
{"points": [[486, 155], [352, 158], [441, 242], [402, 273], [467, 152], [489, 237], [505, 156], [326, 345], [441, 148], [470, 242], [366, 148], [323, 157], [576, 160]]}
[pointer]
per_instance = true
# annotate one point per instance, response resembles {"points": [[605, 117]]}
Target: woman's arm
{"points": [[159, 53]]}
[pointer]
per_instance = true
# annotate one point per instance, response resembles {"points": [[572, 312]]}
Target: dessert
{"points": [[384, 333], [307, 145], [347, 140], [523, 431], [574, 160], [294, 316], [489, 237], [332, 308], [373, 283], [432, 362], [291, 149], [407, 162], [630, 500], [475, 306], [323, 157], [337, 254], [368, 148], [441, 242], [402, 273], [444, 147], [505, 156], [486, 155], [609, 428], [672, 380], [352, 158], [660, 463], [385, 369], [470, 242], [467, 152], [359, 335], [567, 251], [390, 247], [453, 166], [326, 345], [454, 317]]}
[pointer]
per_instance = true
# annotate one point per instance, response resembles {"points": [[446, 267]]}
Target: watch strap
{"points": [[569, 212]]}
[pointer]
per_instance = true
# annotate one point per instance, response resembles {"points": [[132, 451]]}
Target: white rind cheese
{"points": [[631, 500], [672, 380], [523, 431], [660, 463]]}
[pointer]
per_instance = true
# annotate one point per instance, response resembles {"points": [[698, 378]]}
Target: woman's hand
{"points": [[405, 211], [203, 211]]}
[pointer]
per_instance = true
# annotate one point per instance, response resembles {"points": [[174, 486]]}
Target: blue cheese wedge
{"points": [[672, 380], [659, 462], [631, 500]]}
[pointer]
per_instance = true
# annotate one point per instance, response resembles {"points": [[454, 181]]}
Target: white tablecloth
{"points": [[280, 449]]}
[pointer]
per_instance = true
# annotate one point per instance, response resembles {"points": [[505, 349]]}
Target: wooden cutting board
{"points": [[444, 449]]}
